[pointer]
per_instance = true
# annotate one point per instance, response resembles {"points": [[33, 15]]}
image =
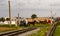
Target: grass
{"points": [[42, 30], [57, 30], [41, 25], [5, 28]]}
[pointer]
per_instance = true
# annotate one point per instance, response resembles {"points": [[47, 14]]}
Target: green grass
{"points": [[58, 22], [42, 30], [42, 25], [6, 25], [57, 31]]}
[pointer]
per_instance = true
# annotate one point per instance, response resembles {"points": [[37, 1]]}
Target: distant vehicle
{"points": [[22, 22]]}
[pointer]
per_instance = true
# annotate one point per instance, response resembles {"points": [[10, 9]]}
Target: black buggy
{"points": [[22, 23]]}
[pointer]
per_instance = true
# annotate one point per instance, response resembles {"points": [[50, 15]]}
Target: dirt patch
{"points": [[4, 29]]}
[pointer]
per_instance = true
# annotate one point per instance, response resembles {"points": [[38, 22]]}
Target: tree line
{"points": [[3, 19], [7, 19]]}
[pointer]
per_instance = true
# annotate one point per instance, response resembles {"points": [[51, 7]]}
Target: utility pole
{"points": [[9, 12]]}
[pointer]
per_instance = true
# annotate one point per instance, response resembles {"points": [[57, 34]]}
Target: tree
{"points": [[2, 19], [7, 19], [33, 16]]}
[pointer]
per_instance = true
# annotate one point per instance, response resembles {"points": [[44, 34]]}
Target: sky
{"points": [[42, 8]]}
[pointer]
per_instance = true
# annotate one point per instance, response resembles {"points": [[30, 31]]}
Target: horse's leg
{"points": [[28, 24], [33, 23]]}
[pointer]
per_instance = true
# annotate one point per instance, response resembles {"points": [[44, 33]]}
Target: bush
{"points": [[58, 23]]}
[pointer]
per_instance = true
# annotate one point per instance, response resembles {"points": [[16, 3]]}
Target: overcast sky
{"points": [[28, 7]]}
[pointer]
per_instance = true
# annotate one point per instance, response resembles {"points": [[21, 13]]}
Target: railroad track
{"points": [[14, 33]]}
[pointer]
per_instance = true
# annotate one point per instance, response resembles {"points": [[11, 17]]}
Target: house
{"points": [[13, 20]]}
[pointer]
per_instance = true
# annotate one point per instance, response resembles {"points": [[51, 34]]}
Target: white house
{"points": [[13, 21]]}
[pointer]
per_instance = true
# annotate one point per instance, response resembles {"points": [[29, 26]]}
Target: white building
{"points": [[13, 21]]}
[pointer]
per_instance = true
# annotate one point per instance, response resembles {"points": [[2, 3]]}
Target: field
{"points": [[42, 31], [5, 28], [57, 31]]}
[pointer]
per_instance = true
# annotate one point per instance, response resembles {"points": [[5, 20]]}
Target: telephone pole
{"points": [[9, 12]]}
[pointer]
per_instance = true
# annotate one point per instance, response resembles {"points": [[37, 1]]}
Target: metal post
{"points": [[9, 12]]}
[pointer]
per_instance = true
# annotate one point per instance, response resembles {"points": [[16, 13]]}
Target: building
{"points": [[13, 21]]}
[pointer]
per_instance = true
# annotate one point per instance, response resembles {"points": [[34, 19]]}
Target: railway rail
{"points": [[14, 33], [50, 32]]}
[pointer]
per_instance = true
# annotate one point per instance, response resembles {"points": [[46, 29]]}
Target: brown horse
{"points": [[30, 21]]}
